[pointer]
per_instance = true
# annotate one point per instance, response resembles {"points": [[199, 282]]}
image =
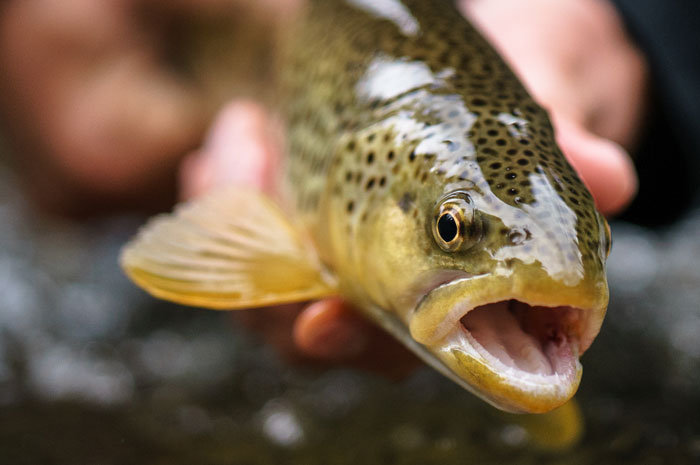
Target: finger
{"points": [[604, 166], [328, 330], [242, 148], [331, 331]]}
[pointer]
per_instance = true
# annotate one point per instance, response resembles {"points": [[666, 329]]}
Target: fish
{"points": [[423, 184]]}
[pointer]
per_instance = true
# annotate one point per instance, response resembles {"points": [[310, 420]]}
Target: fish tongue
{"points": [[499, 332], [554, 328], [563, 354]]}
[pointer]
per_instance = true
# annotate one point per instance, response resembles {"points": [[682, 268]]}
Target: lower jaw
{"points": [[506, 387]]}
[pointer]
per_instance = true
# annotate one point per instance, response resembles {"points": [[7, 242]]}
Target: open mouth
{"points": [[520, 353], [524, 341]]}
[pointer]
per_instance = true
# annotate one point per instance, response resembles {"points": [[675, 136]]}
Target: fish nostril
{"points": [[517, 236]]}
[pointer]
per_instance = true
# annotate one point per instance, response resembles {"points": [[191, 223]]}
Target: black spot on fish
{"points": [[406, 201]]}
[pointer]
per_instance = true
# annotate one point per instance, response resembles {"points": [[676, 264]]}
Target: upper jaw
{"points": [[517, 350]]}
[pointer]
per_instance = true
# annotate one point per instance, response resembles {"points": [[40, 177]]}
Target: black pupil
{"points": [[447, 227]]}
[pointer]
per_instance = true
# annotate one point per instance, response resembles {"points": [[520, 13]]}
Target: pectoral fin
{"points": [[230, 250]]}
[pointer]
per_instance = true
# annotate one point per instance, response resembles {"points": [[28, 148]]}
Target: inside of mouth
{"points": [[531, 339]]}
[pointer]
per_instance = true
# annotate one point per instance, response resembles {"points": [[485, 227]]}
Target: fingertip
{"points": [[329, 330], [625, 182], [238, 116], [604, 166], [241, 148]]}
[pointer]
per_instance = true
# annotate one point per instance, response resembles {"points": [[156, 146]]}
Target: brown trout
{"points": [[424, 185]]}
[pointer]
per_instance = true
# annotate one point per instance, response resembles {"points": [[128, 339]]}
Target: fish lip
{"points": [[451, 318], [506, 387], [447, 279], [461, 308]]}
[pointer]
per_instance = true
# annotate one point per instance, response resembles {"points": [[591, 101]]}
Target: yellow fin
{"points": [[230, 250], [558, 430]]}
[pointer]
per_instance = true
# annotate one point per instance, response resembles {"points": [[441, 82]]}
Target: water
{"points": [[94, 371]]}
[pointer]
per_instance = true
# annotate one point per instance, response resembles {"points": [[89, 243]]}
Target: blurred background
{"points": [[99, 107]]}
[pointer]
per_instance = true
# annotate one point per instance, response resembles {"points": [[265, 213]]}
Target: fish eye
{"points": [[448, 227], [454, 225]]}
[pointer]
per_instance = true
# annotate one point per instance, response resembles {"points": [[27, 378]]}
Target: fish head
{"points": [[494, 265], [528, 298]]}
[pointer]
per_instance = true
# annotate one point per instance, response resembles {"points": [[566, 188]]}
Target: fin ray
{"points": [[229, 250]]}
